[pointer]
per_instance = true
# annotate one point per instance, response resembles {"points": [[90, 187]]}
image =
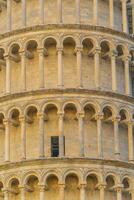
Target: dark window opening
{"points": [[54, 146]]}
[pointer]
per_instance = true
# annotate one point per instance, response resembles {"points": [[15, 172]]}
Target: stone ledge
{"points": [[55, 91], [54, 161], [67, 26]]}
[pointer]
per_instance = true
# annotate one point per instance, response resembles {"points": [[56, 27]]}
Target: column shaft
{"points": [[114, 73], [77, 11], [130, 141], [124, 15], [8, 75], [102, 192], [7, 141], [6, 195], [61, 135], [127, 77], [95, 12], [24, 13], [23, 138], [79, 67], [59, 2], [9, 15], [99, 136], [82, 192], [42, 194], [41, 5], [111, 13], [97, 68], [23, 194], [133, 17], [81, 133], [41, 135], [60, 68], [119, 194], [116, 139], [62, 192], [41, 68], [23, 71]]}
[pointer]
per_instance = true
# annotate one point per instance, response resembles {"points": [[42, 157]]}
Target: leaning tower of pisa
{"points": [[66, 100]]}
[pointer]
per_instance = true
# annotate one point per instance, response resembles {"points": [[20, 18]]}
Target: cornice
{"points": [[67, 26], [60, 161], [75, 91]]}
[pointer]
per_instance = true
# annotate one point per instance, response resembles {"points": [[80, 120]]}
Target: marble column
{"points": [[81, 133], [62, 191], [116, 137], [41, 67], [9, 15], [79, 66], [119, 192], [23, 71], [127, 76], [41, 135], [42, 192], [102, 191], [130, 141], [41, 8], [60, 67], [61, 135], [77, 11], [60, 20], [6, 194], [24, 13], [133, 16], [95, 11], [7, 140], [114, 72], [82, 191], [8, 75], [97, 67], [99, 118], [23, 137], [124, 15], [111, 13], [23, 193]]}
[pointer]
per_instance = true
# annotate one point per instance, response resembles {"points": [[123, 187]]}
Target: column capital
{"points": [[119, 187], [40, 115], [97, 51], [130, 122], [99, 116], [102, 186], [42, 51], [80, 115], [79, 48], [126, 58], [113, 53], [61, 115], [62, 185], [116, 118], [22, 118], [6, 121], [59, 48]]}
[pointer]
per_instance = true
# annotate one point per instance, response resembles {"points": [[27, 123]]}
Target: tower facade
{"points": [[66, 99]]}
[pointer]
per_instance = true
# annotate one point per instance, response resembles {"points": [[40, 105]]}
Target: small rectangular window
{"points": [[54, 146]]}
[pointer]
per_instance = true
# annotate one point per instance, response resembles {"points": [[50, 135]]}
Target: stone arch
{"points": [[49, 173], [109, 42], [96, 174], [29, 174], [111, 106], [11, 178], [93, 40], [125, 110], [72, 37], [115, 177], [77, 173], [44, 104], [122, 49], [11, 110], [50, 37], [14, 47], [76, 104], [27, 41], [93, 104], [31, 105]]}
